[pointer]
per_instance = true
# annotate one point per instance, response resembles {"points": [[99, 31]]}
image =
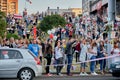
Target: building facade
{"points": [[85, 7], [100, 7], [69, 11], [77, 11], [9, 6]]}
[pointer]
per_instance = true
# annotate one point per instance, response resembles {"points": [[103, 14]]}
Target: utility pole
{"points": [[111, 10], [111, 19]]}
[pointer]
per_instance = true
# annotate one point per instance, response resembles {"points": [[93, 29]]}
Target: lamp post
{"points": [[111, 19]]}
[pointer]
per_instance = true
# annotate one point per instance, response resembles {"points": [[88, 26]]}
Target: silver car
{"points": [[19, 63]]}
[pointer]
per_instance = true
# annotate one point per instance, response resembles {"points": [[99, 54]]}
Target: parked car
{"points": [[115, 69], [19, 63]]}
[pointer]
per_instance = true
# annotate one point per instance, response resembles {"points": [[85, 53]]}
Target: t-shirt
{"points": [[58, 53], [94, 50], [34, 48]]}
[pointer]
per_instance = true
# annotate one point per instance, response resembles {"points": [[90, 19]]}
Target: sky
{"points": [[42, 5]]}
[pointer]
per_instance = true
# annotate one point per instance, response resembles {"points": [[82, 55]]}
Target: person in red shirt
{"points": [[77, 50]]}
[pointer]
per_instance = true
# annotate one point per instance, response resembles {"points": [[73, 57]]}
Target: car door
{"points": [[10, 61]]}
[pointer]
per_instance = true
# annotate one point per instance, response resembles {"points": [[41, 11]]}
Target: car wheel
{"points": [[26, 74]]}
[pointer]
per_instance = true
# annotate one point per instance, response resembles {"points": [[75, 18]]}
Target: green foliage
{"points": [[2, 15], [9, 35], [2, 24], [50, 22], [80, 15]]}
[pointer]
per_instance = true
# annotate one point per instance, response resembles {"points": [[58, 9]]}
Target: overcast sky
{"points": [[42, 5]]}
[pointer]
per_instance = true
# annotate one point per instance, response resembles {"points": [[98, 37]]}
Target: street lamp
{"points": [[111, 16]]}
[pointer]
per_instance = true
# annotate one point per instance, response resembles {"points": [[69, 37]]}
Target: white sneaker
{"points": [[85, 74], [94, 73], [60, 74], [81, 74]]}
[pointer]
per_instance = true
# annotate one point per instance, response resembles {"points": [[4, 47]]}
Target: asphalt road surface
{"points": [[75, 77]]}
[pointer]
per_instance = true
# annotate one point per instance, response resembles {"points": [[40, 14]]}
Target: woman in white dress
{"points": [[83, 57]]}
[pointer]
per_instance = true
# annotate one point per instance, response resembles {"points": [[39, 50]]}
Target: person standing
{"points": [[40, 46], [101, 54], [12, 43], [59, 57], [34, 48], [115, 51], [77, 50], [48, 56], [92, 53], [83, 57], [69, 54], [1, 42]]}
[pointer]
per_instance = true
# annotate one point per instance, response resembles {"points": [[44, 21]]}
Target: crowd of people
{"points": [[86, 41]]}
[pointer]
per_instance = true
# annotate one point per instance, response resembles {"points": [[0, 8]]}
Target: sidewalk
{"points": [[77, 74]]}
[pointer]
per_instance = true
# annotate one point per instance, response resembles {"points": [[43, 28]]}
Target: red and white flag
{"points": [[17, 16], [29, 1]]}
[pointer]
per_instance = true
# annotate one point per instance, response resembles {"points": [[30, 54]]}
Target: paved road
{"points": [[75, 77]]}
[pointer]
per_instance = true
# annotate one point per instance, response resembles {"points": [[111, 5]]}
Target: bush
{"points": [[51, 21], [9, 35]]}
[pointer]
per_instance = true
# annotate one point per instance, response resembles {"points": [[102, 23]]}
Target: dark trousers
{"points": [[77, 56], [41, 59], [48, 65], [59, 67], [69, 59], [102, 64]]}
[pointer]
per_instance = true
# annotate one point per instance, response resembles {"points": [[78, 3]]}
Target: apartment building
{"points": [[9, 6]]}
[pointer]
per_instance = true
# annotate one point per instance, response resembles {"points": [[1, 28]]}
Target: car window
{"points": [[10, 54]]}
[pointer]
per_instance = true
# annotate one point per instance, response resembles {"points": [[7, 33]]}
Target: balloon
{"points": [[55, 37], [49, 32], [53, 30], [51, 36]]}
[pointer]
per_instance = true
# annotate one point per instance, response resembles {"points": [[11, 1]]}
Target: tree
{"points": [[9, 35], [80, 15], [2, 23], [50, 22]]}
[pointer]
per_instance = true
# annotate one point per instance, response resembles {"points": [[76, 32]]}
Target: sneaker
{"points": [[81, 74], [94, 73], [102, 73], [49, 74], [85, 74], [60, 74]]}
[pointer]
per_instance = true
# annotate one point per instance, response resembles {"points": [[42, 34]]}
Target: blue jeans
{"points": [[102, 64], [69, 59], [92, 64]]}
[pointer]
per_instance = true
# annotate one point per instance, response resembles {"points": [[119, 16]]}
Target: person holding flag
{"points": [[29, 1]]}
